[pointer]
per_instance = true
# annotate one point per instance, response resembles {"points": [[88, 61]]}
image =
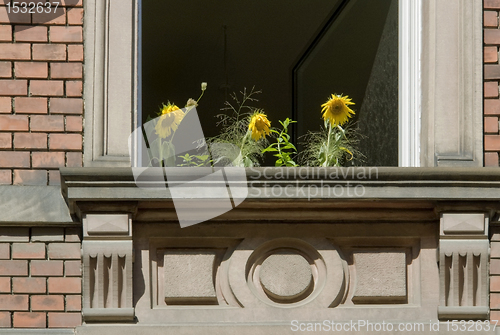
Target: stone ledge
{"points": [[33, 205]]}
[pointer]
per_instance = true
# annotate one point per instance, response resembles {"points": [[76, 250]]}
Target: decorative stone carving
{"points": [[285, 276], [107, 267], [189, 276], [287, 272], [380, 277], [463, 266]]}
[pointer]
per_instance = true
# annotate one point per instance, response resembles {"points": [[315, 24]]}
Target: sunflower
{"points": [[335, 110], [169, 120], [259, 125]]}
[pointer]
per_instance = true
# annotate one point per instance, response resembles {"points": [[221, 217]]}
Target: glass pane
{"points": [[297, 52], [357, 55]]}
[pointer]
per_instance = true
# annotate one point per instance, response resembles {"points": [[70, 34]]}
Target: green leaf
{"points": [[202, 157], [269, 149]]}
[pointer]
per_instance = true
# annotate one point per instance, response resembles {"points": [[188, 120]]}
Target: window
{"points": [[297, 52], [440, 81]]}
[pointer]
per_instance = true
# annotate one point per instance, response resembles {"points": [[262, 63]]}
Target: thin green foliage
{"points": [[234, 145], [331, 146], [283, 148]]}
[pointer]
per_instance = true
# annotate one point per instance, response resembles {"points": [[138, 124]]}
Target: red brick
{"points": [[490, 19], [13, 302], [66, 70], [491, 89], [29, 320], [13, 87], [5, 33], [5, 284], [54, 17], [66, 106], [48, 159], [30, 105], [75, 16], [73, 303], [64, 251], [30, 177], [30, 141], [494, 317], [15, 51], [491, 124], [47, 123], [64, 320], [30, 34], [72, 234], [54, 177], [29, 285], [74, 88], [13, 122], [4, 250], [495, 250], [491, 159], [65, 285], [12, 17], [491, 36], [31, 70], [5, 140], [49, 52], [75, 53], [46, 268], [495, 301], [74, 123], [492, 107], [495, 283], [72, 268], [490, 54], [47, 303], [74, 159], [5, 320], [13, 268], [5, 177], [491, 71], [492, 142], [66, 34], [65, 142], [41, 234], [5, 105], [15, 159], [47, 87], [5, 69], [28, 250], [495, 266], [491, 4]]}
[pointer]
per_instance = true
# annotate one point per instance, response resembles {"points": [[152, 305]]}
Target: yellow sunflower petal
{"points": [[259, 125], [336, 110]]}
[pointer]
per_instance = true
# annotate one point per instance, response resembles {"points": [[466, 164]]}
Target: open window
{"points": [[297, 52], [439, 74]]}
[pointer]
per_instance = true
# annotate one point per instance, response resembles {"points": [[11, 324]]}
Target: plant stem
{"points": [[325, 164]]}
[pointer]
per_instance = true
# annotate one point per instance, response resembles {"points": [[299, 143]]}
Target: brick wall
{"points": [[491, 82], [41, 105], [40, 277]]}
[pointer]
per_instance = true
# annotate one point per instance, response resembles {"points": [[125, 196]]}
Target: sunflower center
{"points": [[337, 107]]}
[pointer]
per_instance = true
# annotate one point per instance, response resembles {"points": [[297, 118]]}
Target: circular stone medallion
{"points": [[286, 276]]}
